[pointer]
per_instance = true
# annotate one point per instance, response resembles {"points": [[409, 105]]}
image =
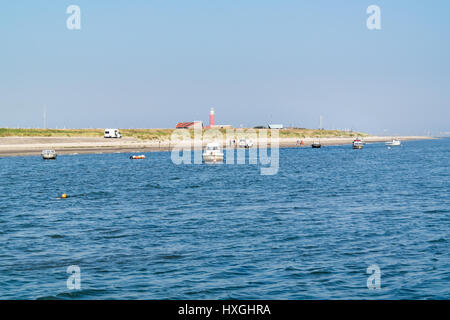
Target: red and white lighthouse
{"points": [[211, 118]]}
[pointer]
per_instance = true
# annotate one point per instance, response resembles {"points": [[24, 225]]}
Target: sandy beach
{"points": [[28, 146]]}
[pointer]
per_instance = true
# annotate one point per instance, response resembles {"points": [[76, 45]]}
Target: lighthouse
{"points": [[211, 118]]}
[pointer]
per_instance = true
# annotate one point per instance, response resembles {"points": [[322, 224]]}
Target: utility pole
{"points": [[45, 117]]}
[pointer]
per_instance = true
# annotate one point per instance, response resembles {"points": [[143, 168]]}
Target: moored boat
{"points": [[316, 144], [213, 153], [357, 144], [245, 143], [48, 154], [393, 143]]}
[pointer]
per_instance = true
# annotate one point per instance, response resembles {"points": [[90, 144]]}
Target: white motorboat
{"points": [[393, 143], [48, 154], [357, 144], [213, 153], [245, 143]]}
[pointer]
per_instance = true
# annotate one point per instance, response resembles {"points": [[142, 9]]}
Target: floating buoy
{"points": [[138, 157], [63, 196]]}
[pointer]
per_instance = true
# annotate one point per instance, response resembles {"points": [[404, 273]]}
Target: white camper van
{"points": [[112, 133]]}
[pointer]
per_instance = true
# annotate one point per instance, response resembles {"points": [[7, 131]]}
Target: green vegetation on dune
{"points": [[143, 134], [148, 134], [7, 132], [315, 133], [164, 134]]}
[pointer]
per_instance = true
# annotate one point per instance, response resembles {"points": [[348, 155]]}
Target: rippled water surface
{"points": [[150, 229]]}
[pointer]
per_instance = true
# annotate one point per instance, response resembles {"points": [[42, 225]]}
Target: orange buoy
{"points": [[138, 157]]}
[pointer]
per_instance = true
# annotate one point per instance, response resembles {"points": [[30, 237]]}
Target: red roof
{"points": [[182, 125]]}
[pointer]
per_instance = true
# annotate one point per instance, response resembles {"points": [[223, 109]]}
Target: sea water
{"points": [[150, 229]]}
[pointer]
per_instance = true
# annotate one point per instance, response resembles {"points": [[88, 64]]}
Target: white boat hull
{"points": [[48, 155], [213, 157], [393, 143], [245, 143]]}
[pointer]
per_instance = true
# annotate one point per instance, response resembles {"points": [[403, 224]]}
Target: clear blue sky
{"points": [[154, 63]]}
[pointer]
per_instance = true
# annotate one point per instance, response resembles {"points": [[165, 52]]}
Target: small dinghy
{"points": [[245, 143], [138, 157], [49, 155], [316, 144]]}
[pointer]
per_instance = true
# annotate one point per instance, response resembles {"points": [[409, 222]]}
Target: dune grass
{"points": [[148, 134], [315, 133], [9, 132], [164, 134]]}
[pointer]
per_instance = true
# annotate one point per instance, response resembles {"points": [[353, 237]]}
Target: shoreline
{"points": [[33, 146]]}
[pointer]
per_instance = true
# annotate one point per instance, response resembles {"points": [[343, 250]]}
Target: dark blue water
{"points": [[150, 229]]}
